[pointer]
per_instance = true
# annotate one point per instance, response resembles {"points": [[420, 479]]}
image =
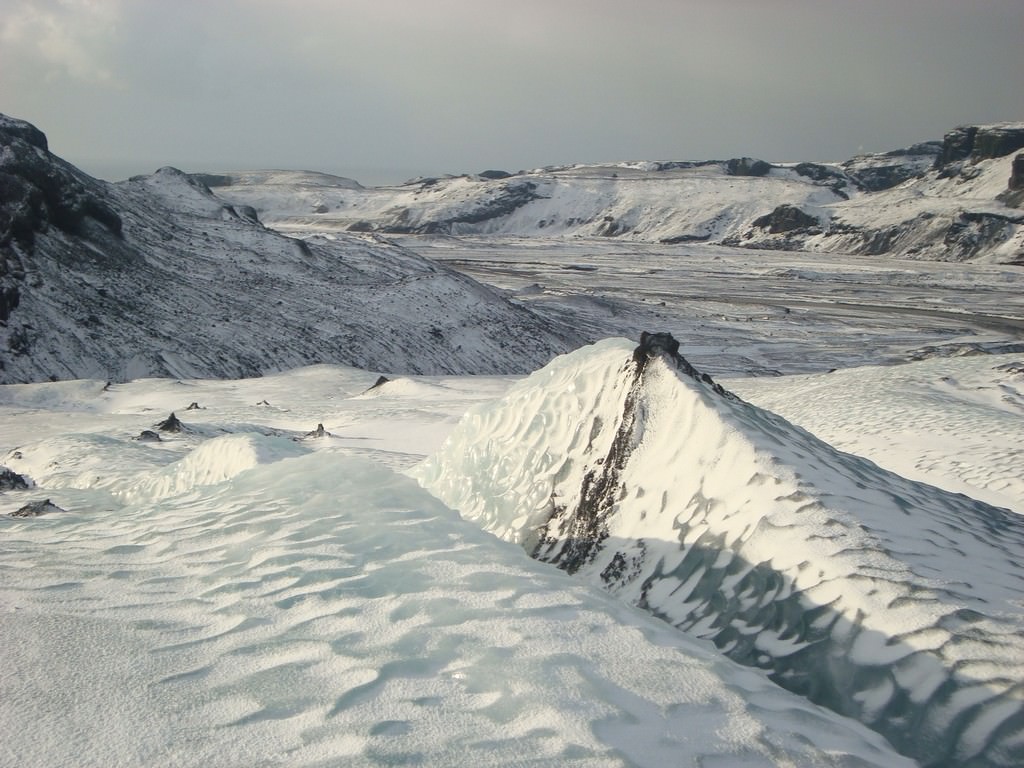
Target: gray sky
{"points": [[385, 89]]}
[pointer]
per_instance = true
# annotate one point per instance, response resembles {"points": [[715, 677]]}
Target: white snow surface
{"points": [[242, 594]]}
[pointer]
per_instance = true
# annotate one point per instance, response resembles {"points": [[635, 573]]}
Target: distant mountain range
{"points": [[157, 276], [199, 275], [957, 199]]}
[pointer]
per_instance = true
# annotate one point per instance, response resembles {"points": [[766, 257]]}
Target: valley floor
{"points": [[752, 313]]}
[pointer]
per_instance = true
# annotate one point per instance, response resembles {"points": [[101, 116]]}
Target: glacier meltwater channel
{"points": [[887, 600]]}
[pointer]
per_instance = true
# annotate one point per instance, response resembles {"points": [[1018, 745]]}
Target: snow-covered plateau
{"points": [[297, 494]]}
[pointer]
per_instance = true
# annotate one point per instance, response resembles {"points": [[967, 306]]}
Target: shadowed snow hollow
{"points": [[885, 599]]}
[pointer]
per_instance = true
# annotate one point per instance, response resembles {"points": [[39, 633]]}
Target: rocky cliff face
{"points": [[973, 143], [157, 276]]}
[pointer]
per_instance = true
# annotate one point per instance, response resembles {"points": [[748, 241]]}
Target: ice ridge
{"points": [[887, 600]]}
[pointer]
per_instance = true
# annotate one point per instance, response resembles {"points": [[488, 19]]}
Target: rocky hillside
{"points": [[157, 276], [954, 200]]}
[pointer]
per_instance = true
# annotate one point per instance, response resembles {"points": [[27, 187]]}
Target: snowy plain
{"points": [[247, 593]]}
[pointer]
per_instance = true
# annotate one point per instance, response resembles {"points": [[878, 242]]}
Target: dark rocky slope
{"points": [[157, 276]]}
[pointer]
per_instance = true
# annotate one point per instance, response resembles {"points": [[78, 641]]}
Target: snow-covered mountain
{"points": [[156, 276], [953, 200], [887, 600]]}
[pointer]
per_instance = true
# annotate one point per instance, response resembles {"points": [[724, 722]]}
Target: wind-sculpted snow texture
{"points": [[156, 276], [887, 600], [238, 595]]}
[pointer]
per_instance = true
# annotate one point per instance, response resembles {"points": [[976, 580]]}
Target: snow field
{"points": [[954, 424], [242, 594], [322, 608]]}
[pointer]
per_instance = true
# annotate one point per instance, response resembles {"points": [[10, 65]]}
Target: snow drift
{"points": [[884, 599]]}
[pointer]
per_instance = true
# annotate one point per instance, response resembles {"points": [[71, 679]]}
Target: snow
{"points": [[229, 560], [240, 589], [953, 426], [276, 600], [318, 571]]}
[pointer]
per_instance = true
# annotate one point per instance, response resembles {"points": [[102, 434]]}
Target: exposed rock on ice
{"points": [[171, 424], [747, 166], [36, 508], [319, 432], [11, 480]]}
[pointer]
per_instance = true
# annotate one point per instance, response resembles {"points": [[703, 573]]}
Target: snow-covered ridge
{"points": [[885, 599], [156, 276], [953, 200]]}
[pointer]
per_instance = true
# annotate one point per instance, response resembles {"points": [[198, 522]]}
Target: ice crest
{"points": [[885, 599]]}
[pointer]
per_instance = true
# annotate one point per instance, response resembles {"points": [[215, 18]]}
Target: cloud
{"points": [[63, 37], [450, 85]]}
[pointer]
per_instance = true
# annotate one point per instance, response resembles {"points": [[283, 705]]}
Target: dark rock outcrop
{"points": [[786, 218], [11, 480], [23, 130], [38, 190], [36, 508], [148, 436], [747, 166], [319, 432], [1016, 180], [171, 424], [494, 175], [956, 145], [1014, 194]]}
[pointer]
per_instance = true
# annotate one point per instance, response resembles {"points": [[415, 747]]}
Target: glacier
{"points": [[240, 595], [887, 600]]}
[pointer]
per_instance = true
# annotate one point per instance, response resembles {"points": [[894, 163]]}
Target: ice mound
{"points": [[131, 471], [84, 460], [213, 461], [884, 599]]}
